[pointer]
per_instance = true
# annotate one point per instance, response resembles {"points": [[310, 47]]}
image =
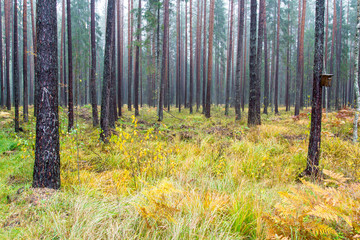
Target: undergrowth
{"points": [[187, 177]]}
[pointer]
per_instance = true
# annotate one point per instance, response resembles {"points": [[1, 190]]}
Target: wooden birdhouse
{"points": [[326, 80]]}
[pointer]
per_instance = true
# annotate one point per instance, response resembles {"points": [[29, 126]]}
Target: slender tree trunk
{"points": [[210, 55], [276, 100], [2, 100], [238, 59], [25, 80], [106, 90], [70, 67], [266, 75], [338, 57], [47, 156], [312, 166], [254, 98], [245, 63], [15, 65], [331, 62], [7, 53], [120, 54], [287, 88], [186, 57], [191, 61], [137, 62], [204, 62], [197, 55], [356, 75], [178, 56], [62, 45], [93, 68], [228, 64], [164, 67], [130, 39], [259, 49]]}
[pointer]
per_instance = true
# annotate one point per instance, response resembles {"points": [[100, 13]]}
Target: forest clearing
{"points": [[187, 177]]}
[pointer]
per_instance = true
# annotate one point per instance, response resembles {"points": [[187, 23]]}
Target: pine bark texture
{"points": [[15, 65], [93, 94], [47, 157], [210, 58], [70, 67]]}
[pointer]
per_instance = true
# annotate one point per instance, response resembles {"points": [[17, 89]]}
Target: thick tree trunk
{"points": [[137, 61], [106, 90], [228, 63], [210, 55], [47, 156], [238, 59], [15, 65], [254, 86], [312, 166], [165, 66], [70, 67]]}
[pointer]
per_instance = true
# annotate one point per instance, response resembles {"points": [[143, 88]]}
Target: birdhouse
{"points": [[326, 80]]}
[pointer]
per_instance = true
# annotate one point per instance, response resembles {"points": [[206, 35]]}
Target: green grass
{"points": [[185, 178]]}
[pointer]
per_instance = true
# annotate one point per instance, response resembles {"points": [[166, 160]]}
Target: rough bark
{"points": [[47, 156], [254, 98], [106, 90], [312, 166], [259, 49], [2, 96], [120, 54], [7, 53]]}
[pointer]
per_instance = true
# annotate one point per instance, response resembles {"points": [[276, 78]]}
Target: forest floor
{"points": [[187, 177]]}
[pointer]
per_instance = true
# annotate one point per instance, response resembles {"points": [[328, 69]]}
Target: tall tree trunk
{"points": [[47, 156], [25, 81], [7, 53], [197, 55], [254, 98], [228, 63], [259, 49], [238, 59], [326, 51], [15, 65], [287, 88], [93, 67], [356, 75], [244, 64], [137, 61], [204, 62], [70, 67], [312, 166], [331, 62], [164, 67], [266, 74], [210, 55], [276, 100], [130, 39], [62, 44], [300, 63], [120, 54], [186, 57], [2, 99], [191, 61], [338, 56], [178, 56], [106, 90]]}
